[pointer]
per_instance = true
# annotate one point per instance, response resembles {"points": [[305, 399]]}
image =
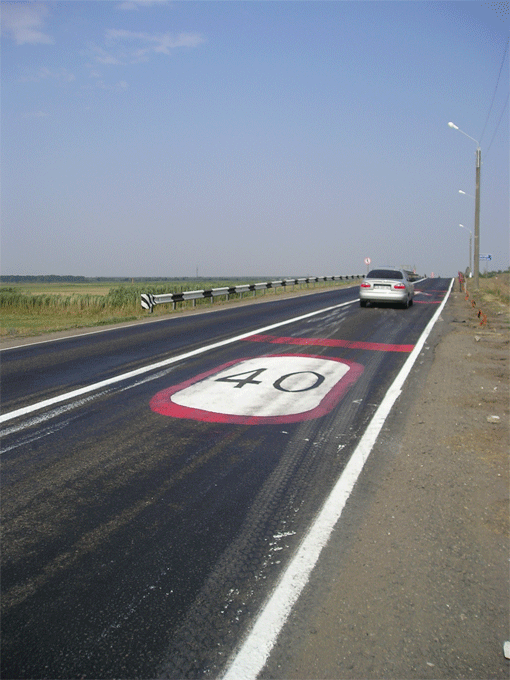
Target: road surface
{"points": [[157, 480]]}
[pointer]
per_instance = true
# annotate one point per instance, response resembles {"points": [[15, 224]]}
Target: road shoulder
{"points": [[414, 581]]}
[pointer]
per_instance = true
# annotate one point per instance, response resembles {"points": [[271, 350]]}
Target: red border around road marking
{"points": [[329, 342], [162, 402]]}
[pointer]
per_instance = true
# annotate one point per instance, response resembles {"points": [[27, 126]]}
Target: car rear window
{"points": [[384, 274]]}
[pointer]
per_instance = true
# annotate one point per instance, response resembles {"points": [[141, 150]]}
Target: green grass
{"points": [[29, 309]]}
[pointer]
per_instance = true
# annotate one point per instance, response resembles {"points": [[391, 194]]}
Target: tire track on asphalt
{"points": [[250, 658]]}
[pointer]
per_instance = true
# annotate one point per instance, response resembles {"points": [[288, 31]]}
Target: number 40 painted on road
{"points": [[260, 391]]}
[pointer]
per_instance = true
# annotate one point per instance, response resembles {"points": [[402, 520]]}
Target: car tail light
{"points": [[365, 285], [399, 286]]}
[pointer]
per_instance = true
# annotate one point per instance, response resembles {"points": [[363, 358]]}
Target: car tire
{"points": [[362, 303]]}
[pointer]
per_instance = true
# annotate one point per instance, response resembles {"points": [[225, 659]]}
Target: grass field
{"points": [[493, 296], [496, 288], [63, 288], [29, 309]]}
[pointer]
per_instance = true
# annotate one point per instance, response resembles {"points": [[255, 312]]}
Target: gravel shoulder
{"points": [[414, 582]]}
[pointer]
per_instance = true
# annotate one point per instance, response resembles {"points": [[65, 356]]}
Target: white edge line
{"points": [[250, 659], [167, 362]]}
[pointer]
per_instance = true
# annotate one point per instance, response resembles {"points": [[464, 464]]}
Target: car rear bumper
{"points": [[375, 295]]}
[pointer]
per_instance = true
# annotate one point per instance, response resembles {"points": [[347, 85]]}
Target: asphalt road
{"points": [[157, 479]]}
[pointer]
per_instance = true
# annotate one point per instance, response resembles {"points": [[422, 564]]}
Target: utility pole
{"points": [[470, 269], [476, 263]]}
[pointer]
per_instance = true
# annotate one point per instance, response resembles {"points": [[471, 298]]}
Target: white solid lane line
{"points": [[152, 367], [250, 659]]}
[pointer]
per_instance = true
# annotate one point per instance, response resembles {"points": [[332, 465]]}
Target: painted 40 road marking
{"points": [[295, 380], [264, 390]]}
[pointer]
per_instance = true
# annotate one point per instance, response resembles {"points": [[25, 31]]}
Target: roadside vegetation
{"points": [[494, 295], [496, 285], [49, 304]]}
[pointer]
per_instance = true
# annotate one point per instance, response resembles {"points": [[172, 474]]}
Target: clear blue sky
{"points": [[251, 138]]}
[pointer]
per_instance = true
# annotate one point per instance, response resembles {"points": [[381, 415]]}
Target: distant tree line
{"points": [[489, 275], [54, 278], [51, 278]]}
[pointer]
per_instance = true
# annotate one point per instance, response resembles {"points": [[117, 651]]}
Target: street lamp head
{"points": [[456, 127]]}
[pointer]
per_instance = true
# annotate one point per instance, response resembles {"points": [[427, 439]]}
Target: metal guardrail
{"points": [[149, 301]]}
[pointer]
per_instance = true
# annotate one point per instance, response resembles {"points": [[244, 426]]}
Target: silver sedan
{"points": [[388, 284]]}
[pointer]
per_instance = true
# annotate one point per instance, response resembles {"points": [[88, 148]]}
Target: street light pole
{"points": [[470, 238], [476, 262]]}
